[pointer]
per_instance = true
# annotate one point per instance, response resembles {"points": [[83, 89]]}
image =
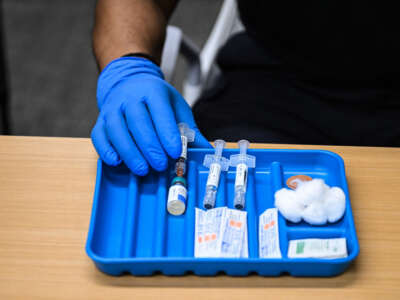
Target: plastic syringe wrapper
{"points": [[221, 232]]}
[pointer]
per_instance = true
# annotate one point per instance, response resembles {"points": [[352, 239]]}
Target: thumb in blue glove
{"points": [[139, 112]]}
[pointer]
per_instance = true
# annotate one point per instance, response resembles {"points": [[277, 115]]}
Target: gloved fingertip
{"points": [[161, 165], [103, 146], [175, 148], [157, 159], [140, 169], [111, 158], [175, 155], [200, 141]]}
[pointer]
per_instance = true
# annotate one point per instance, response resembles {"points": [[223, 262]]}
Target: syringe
{"points": [[187, 136], [177, 194], [216, 163], [242, 162]]}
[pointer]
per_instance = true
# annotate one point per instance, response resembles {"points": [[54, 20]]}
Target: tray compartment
{"points": [[252, 216], [190, 209], [161, 217], [147, 215], [109, 213], [130, 219], [277, 184]]}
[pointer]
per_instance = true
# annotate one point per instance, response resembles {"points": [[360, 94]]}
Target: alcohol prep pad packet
{"points": [[208, 232], [221, 232], [214, 219], [268, 234], [233, 233], [318, 248]]}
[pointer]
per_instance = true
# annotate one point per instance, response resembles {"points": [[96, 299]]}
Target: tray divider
{"points": [[190, 208], [130, 218], [252, 217], [277, 184], [161, 216], [320, 232], [200, 187]]}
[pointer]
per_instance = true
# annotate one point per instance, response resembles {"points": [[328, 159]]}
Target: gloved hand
{"points": [[139, 113]]}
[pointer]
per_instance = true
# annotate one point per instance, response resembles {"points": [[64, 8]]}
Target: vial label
{"points": [[213, 175], [177, 193], [184, 146], [241, 176]]}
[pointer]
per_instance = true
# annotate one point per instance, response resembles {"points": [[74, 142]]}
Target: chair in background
{"points": [[202, 71]]}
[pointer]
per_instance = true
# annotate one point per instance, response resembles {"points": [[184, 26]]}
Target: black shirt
{"points": [[339, 39], [308, 72]]}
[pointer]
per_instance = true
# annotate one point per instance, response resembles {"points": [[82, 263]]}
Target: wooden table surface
{"points": [[46, 189]]}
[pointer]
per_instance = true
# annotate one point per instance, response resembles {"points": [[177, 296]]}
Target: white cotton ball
{"points": [[311, 191], [315, 214], [313, 201], [288, 205], [335, 204]]}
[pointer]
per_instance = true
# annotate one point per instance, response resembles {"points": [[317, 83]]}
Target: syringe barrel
{"points": [[240, 197], [209, 197], [240, 186]]}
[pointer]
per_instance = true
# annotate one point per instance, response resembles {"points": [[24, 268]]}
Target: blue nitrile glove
{"points": [[139, 113]]}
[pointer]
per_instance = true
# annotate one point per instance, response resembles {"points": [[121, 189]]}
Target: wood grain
{"points": [[46, 189]]}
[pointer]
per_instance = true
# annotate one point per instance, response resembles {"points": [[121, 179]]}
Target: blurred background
{"points": [[49, 67]]}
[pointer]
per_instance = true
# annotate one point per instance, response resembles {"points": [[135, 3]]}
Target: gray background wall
{"points": [[52, 71]]}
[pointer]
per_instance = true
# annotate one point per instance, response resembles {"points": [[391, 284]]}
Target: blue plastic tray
{"points": [[131, 231]]}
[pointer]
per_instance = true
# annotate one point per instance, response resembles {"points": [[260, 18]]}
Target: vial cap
{"points": [[178, 179]]}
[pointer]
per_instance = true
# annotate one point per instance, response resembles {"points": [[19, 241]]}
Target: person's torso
{"points": [[328, 38]]}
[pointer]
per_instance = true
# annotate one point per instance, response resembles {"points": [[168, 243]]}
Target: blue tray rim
{"points": [[111, 261]]}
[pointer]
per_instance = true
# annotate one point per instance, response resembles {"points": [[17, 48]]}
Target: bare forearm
{"points": [[126, 26]]}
